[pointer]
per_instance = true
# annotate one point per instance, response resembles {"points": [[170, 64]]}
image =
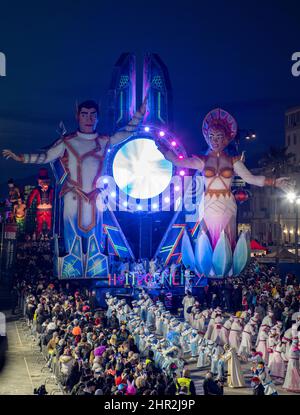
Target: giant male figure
{"points": [[82, 155]]}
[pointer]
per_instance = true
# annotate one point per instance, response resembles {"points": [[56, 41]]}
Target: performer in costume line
{"points": [[82, 155], [235, 374]]}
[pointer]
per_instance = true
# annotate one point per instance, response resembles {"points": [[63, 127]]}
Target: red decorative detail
{"points": [[255, 246], [241, 195]]}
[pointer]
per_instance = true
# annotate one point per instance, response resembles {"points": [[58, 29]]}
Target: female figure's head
{"points": [[219, 128], [217, 138]]}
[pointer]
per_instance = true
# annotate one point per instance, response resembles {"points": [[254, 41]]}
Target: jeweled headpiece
{"points": [[219, 118]]}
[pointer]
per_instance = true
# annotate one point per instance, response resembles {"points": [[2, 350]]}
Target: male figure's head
{"points": [[87, 116]]}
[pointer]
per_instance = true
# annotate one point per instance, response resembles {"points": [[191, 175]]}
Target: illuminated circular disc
{"points": [[140, 170]]}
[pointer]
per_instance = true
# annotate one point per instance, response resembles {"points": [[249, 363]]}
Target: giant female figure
{"points": [[217, 209]]}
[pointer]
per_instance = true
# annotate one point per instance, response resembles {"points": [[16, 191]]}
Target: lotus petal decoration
{"points": [[222, 256], [241, 254], [188, 257], [203, 254]]}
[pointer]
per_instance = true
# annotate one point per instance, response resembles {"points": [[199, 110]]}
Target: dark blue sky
{"points": [[232, 54]]}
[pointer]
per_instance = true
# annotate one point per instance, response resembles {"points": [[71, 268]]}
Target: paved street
{"points": [[22, 371]]}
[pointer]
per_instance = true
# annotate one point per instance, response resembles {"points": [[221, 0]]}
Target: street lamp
{"points": [[244, 134], [293, 198]]}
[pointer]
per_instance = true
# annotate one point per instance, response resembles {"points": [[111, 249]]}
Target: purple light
{"points": [[174, 144], [147, 129], [182, 172], [181, 156], [162, 133]]}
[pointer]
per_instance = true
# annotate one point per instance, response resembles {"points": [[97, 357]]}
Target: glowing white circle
{"points": [[140, 169]]}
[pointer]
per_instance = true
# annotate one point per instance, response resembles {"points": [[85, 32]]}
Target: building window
{"points": [[288, 140], [295, 139]]}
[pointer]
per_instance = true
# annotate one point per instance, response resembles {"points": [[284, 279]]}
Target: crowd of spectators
{"points": [[96, 354]]}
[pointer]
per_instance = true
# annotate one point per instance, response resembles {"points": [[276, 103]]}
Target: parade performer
{"points": [[82, 155], [216, 355], [211, 324], [266, 322], [277, 365], [263, 374], [203, 360], [185, 339], [199, 322], [13, 192], [43, 193], [217, 209], [194, 340], [235, 334], [262, 343], [235, 377], [216, 333], [271, 343], [225, 330], [246, 342], [187, 302], [19, 214]]}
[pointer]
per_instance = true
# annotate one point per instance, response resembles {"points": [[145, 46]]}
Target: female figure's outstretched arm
{"points": [[241, 170]]}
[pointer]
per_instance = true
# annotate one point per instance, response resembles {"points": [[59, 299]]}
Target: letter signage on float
{"points": [[296, 65], [2, 64]]}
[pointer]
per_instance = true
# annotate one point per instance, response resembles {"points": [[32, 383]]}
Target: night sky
{"points": [[232, 54]]}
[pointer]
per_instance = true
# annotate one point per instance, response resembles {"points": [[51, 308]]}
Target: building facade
{"points": [[268, 214], [292, 133]]}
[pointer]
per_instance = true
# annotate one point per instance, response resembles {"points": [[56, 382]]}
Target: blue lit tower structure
{"points": [[137, 195]]}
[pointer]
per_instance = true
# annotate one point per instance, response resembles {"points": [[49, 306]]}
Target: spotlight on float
{"points": [[147, 129], [162, 133], [182, 172], [291, 197], [174, 144]]}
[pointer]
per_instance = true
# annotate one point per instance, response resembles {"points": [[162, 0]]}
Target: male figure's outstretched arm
{"points": [[43, 157]]}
